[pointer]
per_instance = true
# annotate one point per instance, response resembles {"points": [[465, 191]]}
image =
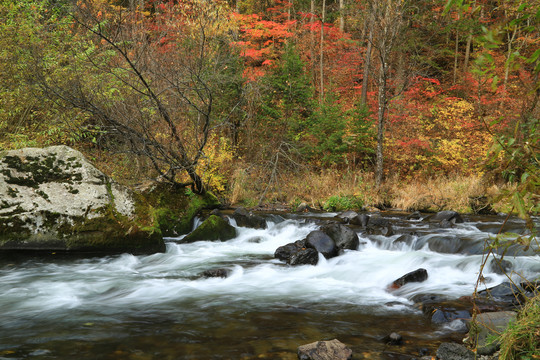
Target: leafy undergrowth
{"points": [[521, 340]]}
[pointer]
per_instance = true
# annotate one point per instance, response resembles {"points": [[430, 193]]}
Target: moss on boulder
{"points": [[54, 199], [213, 228]]}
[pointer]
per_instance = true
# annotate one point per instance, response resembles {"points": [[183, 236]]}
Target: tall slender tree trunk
{"points": [[381, 120], [467, 52], [508, 55], [321, 54], [341, 15], [456, 50], [367, 65]]}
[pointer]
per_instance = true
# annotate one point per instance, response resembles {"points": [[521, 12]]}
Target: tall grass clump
{"points": [[521, 340]]}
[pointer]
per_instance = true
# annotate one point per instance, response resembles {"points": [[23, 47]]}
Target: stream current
{"points": [[160, 307]]}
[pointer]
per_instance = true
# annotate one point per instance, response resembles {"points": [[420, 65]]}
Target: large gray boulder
{"points": [[54, 199]]}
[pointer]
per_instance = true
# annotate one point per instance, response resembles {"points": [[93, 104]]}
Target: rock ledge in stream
{"points": [[324, 350], [53, 199], [248, 219]]}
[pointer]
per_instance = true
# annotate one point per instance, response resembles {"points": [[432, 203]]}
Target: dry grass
{"points": [[315, 188], [437, 193]]}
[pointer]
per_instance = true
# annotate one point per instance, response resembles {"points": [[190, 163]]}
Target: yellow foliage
{"points": [[459, 138], [216, 163]]}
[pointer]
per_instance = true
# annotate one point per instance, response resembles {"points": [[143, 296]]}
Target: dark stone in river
{"points": [[347, 216], [344, 237], [446, 315], [213, 228], [378, 225], [414, 216], [248, 219], [323, 243], [297, 253], [325, 350], [447, 215], [444, 244], [414, 276], [360, 219], [304, 257], [220, 272], [285, 252], [506, 295], [453, 351], [500, 266]]}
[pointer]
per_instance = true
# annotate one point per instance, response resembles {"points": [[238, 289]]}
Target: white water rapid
{"points": [[49, 302]]}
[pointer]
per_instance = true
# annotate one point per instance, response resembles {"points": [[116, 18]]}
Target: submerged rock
{"points": [[213, 228], [393, 339], [325, 350], [54, 199]]}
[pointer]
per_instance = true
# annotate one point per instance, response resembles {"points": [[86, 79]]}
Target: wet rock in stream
{"points": [[247, 219], [418, 275], [343, 237], [215, 273], [323, 243], [324, 350], [297, 253]]}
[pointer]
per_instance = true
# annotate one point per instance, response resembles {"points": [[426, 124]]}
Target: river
{"points": [[159, 307]]}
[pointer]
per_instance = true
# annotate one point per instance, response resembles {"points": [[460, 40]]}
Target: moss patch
{"points": [[171, 210], [213, 228]]}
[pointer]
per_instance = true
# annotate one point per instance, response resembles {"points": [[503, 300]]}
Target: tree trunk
{"points": [[381, 119], [342, 15], [508, 55], [456, 57], [467, 52], [321, 57], [367, 65]]}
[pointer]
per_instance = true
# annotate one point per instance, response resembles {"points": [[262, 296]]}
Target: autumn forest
{"points": [[410, 104]]}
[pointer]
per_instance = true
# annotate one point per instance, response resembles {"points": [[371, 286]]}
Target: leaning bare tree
{"points": [[152, 78]]}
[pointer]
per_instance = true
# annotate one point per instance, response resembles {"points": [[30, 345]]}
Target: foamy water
{"points": [[109, 289]]}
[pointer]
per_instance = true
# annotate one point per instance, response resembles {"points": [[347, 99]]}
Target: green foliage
{"points": [[288, 101], [343, 202], [31, 47], [521, 341], [336, 133]]}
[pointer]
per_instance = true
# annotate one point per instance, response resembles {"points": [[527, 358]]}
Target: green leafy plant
{"points": [[342, 202]]}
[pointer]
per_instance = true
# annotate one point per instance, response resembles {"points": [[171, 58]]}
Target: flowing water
{"points": [[160, 307]]}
